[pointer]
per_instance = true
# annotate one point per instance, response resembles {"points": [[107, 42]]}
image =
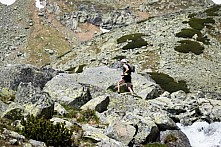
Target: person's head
{"points": [[123, 61]]}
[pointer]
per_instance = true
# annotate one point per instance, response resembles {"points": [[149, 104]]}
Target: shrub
{"points": [[136, 41], [168, 83], [43, 130], [187, 46]]}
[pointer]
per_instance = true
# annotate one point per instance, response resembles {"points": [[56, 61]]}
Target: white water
{"points": [[202, 134]]}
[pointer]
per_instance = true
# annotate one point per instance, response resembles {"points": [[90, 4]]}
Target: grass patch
{"points": [[133, 41], [198, 23], [189, 33], [187, 46], [168, 83], [213, 10]]}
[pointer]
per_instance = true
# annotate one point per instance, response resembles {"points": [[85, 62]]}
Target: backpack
{"points": [[131, 68]]}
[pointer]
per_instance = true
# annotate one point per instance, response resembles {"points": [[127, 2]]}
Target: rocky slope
{"points": [[73, 66]]}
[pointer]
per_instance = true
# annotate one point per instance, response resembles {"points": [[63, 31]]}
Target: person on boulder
{"points": [[126, 76]]}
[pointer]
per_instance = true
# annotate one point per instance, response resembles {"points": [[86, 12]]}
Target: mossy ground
{"points": [[168, 83]]}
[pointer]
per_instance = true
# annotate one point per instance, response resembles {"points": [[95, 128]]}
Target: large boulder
{"points": [[64, 89], [11, 76], [99, 104]]}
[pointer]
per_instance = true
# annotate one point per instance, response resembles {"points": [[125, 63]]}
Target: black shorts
{"points": [[127, 79]]}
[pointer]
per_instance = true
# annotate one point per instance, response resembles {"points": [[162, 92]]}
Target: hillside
{"points": [[59, 67]]}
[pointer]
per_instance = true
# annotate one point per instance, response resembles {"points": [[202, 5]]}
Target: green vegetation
{"points": [[189, 33], [187, 46], [168, 83], [6, 123], [198, 23], [134, 41], [44, 130], [81, 116], [7, 95], [155, 145], [213, 10]]}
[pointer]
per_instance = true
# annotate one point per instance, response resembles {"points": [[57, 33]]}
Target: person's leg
{"points": [[129, 86], [119, 84]]}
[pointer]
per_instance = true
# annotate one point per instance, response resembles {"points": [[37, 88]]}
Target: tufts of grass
{"points": [[168, 83], [187, 46], [134, 41]]}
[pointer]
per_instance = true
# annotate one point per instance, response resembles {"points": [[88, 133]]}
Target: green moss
{"points": [[7, 95], [213, 10], [168, 83], [198, 23], [134, 41], [155, 145], [44, 130], [187, 46]]}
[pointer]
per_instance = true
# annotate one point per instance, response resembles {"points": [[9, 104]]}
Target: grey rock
{"points": [[99, 104], [63, 88], [121, 132], [36, 143]]}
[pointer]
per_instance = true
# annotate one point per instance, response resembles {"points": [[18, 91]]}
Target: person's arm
{"points": [[127, 69]]}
